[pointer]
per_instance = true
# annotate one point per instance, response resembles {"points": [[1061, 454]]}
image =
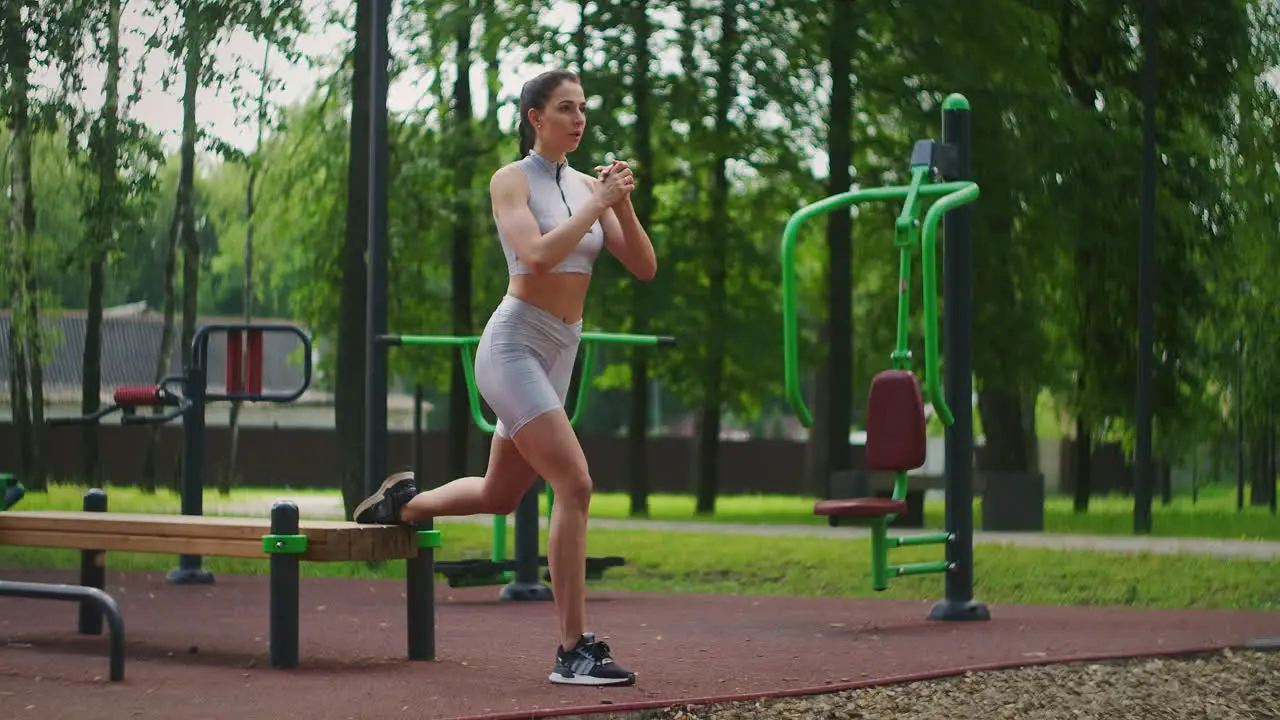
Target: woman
{"points": [[552, 222]]}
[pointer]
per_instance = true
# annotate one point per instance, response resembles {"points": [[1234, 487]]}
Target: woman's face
{"points": [[561, 121]]}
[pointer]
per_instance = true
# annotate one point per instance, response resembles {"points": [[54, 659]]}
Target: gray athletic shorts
{"points": [[524, 362]]}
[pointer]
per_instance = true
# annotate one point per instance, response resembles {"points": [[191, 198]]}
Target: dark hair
{"points": [[535, 94]]}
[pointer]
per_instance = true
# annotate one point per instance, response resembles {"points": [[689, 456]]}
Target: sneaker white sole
{"points": [[378, 494], [559, 679]]}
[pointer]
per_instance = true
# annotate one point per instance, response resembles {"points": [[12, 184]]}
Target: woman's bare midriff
{"points": [[561, 294]]}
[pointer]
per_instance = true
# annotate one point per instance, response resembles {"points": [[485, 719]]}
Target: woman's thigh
{"points": [[550, 446], [509, 476]]}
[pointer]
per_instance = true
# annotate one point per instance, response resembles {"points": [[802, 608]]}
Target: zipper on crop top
{"points": [[561, 189]]}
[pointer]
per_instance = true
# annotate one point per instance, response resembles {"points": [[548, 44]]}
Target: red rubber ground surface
{"points": [[201, 652]]}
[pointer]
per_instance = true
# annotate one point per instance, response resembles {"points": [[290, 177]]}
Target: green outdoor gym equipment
{"points": [[895, 419]]}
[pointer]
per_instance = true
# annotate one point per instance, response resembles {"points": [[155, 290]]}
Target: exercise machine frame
{"points": [[940, 170], [188, 395]]}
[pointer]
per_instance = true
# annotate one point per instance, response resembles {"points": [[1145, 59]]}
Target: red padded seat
{"points": [[860, 507], [895, 422]]}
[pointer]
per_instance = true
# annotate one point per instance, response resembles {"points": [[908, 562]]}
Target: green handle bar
{"points": [[466, 342], [929, 264], [956, 193]]}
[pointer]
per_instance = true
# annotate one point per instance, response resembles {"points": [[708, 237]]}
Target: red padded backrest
{"points": [[895, 422]]}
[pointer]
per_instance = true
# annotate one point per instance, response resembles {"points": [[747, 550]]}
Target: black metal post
{"points": [[190, 570], [284, 590], [420, 597], [93, 570], [375, 389], [1143, 470], [957, 342], [527, 585]]}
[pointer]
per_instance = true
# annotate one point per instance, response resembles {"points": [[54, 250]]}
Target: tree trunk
{"points": [[1083, 465], [165, 357], [708, 477], [106, 151], [638, 420], [228, 477], [581, 41], [349, 400], [192, 61], [816, 456], [1002, 427], [27, 376], [840, 244], [1261, 479], [460, 425]]}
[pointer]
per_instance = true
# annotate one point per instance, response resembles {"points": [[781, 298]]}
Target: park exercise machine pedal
{"points": [[518, 575], [896, 419]]}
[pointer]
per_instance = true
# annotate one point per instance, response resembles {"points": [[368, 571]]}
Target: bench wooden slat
{"points": [[327, 540], [131, 543]]}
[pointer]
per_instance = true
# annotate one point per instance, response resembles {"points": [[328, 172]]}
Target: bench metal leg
{"points": [[105, 603], [284, 589], [93, 569], [420, 596]]}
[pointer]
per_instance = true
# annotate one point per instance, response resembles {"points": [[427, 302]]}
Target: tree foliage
{"points": [[733, 132]]}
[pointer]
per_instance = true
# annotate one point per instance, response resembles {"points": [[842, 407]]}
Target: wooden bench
{"points": [[282, 539]]}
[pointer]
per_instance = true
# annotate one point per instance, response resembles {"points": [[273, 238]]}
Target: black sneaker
{"points": [[589, 663], [383, 506]]}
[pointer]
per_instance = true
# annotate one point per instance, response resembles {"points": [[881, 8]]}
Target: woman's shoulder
{"points": [[510, 176]]}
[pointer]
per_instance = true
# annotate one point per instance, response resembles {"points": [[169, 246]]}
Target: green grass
{"points": [[804, 566], [1213, 516]]}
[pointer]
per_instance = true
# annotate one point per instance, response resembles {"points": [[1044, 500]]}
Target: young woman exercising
{"points": [[552, 222]]}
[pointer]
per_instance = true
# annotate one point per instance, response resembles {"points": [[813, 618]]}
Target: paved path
{"points": [[331, 508]]}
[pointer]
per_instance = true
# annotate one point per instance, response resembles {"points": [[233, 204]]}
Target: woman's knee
{"points": [[573, 489]]}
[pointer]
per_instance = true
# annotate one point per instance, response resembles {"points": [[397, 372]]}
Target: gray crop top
{"points": [[555, 191]]}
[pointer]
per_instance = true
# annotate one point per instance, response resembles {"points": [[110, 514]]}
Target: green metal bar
{"points": [[879, 555], [789, 237], [584, 382], [588, 336], [445, 340], [900, 483], [551, 501], [499, 551], [921, 568], [923, 539], [906, 233], [473, 393], [628, 338], [965, 194]]}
